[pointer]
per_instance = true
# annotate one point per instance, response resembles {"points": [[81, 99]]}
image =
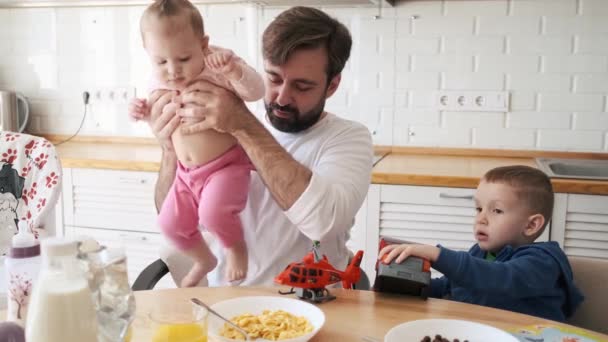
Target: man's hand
{"points": [[224, 62], [212, 107], [402, 252], [139, 110], [163, 118]]}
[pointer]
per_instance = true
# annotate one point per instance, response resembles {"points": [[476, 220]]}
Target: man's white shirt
{"points": [[339, 153]]}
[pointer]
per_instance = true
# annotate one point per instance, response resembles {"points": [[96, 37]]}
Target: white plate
{"points": [[256, 304], [449, 328]]}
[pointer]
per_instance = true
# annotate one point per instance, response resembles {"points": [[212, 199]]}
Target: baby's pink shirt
{"points": [[249, 88]]}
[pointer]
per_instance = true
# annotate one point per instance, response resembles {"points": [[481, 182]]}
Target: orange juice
{"points": [[181, 332]]}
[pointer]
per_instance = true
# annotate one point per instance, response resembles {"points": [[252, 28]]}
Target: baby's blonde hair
{"points": [[160, 9]]}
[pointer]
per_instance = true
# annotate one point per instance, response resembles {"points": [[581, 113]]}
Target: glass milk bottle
{"points": [[61, 308]]}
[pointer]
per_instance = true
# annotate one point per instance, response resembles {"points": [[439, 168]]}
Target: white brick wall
{"points": [[569, 140], [578, 64], [550, 55], [539, 45], [592, 121], [570, 103], [592, 44], [591, 83], [465, 120], [435, 136], [476, 81], [544, 7], [558, 120], [557, 82], [504, 138]]}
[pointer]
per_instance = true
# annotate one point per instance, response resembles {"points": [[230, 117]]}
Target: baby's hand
{"points": [[224, 61], [402, 252], [138, 109]]}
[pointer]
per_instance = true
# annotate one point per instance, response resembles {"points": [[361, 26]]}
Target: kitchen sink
{"points": [[574, 168]]}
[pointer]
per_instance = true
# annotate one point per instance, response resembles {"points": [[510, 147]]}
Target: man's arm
{"points": [[163, 121], [284, 176], [317, 201], [166, 176]]}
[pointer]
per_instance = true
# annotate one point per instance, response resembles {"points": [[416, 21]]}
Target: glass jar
{"points": [[61, 307]]}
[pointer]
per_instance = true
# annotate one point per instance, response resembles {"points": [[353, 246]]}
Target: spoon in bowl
{"points": [[236, 327]]}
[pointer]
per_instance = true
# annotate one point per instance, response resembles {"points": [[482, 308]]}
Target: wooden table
{"points": [[351, 316]]}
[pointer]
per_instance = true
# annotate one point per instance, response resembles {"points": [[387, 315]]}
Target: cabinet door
{"points": [[581, 225], [141, 248], [430, 215], [121, 200]]}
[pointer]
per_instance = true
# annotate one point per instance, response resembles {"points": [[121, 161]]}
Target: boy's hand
{"points": [[139, 110], [224, 62], [402, 252]]}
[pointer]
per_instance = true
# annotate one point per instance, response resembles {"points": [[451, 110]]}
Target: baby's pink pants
{"points": [[210, 195]]}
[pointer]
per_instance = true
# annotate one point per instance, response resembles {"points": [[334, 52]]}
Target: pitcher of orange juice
{"points": [[179, 326]]}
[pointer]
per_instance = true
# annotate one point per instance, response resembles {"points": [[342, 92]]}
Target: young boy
{"points": [[506, 269], [212, 179]]}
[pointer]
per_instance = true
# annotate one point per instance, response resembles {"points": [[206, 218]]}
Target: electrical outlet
{"points": [[111, 95], [472, 101]]}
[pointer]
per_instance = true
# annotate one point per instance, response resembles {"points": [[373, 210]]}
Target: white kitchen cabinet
{"points": [[429, 215], [117, 209], [121, 200], [580, 225]]}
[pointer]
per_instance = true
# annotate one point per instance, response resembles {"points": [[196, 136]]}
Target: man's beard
{"points": [[296, 122]]}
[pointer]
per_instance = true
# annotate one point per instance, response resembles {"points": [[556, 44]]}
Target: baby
{"points": [[505, 269], [212, 180]]}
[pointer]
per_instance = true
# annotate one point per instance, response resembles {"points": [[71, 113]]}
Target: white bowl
{"points": [[448, 328], [256, 304]]}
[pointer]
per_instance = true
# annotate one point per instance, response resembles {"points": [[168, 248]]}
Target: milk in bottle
{"points": [[61, 307]]}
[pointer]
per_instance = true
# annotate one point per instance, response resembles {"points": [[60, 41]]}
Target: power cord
{"points": [[85, 100]]}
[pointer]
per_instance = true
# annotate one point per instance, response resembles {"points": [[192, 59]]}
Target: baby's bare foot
{"points": [[197, 272], [236, 262]]}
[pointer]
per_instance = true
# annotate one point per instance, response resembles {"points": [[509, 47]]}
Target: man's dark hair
{"points": [[307, 28]]}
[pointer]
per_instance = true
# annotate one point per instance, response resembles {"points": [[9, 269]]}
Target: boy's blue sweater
{"points": [[534, 279]]}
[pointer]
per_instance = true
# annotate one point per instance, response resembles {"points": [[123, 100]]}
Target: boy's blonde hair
{"points": [[531, 185], [173, 9]]}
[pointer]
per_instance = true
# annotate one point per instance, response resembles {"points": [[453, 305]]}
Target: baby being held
{"points": [[212, 179]]}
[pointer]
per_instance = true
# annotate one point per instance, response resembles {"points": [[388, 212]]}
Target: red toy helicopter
{"points": [[309, 277]]}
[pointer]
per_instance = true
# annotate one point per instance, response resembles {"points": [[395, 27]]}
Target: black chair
{"points": [[154, 272], [151, 275]]}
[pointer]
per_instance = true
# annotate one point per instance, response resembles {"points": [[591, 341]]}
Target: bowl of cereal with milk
{"points": [[266, 318]]}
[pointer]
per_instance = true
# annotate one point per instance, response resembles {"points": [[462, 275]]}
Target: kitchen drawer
{"points": [[440, 196], [428, 215], [121, 200]]}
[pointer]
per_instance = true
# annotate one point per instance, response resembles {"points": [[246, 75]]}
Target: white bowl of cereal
{"points": [[262, 315]]}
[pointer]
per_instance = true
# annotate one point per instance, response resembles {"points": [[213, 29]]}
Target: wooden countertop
{"points": [[400, 165], [463, 172], [130, 156], [353, 315]]}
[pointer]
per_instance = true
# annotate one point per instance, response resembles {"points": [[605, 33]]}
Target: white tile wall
{"points": [[504, 138], [551, 55]]}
